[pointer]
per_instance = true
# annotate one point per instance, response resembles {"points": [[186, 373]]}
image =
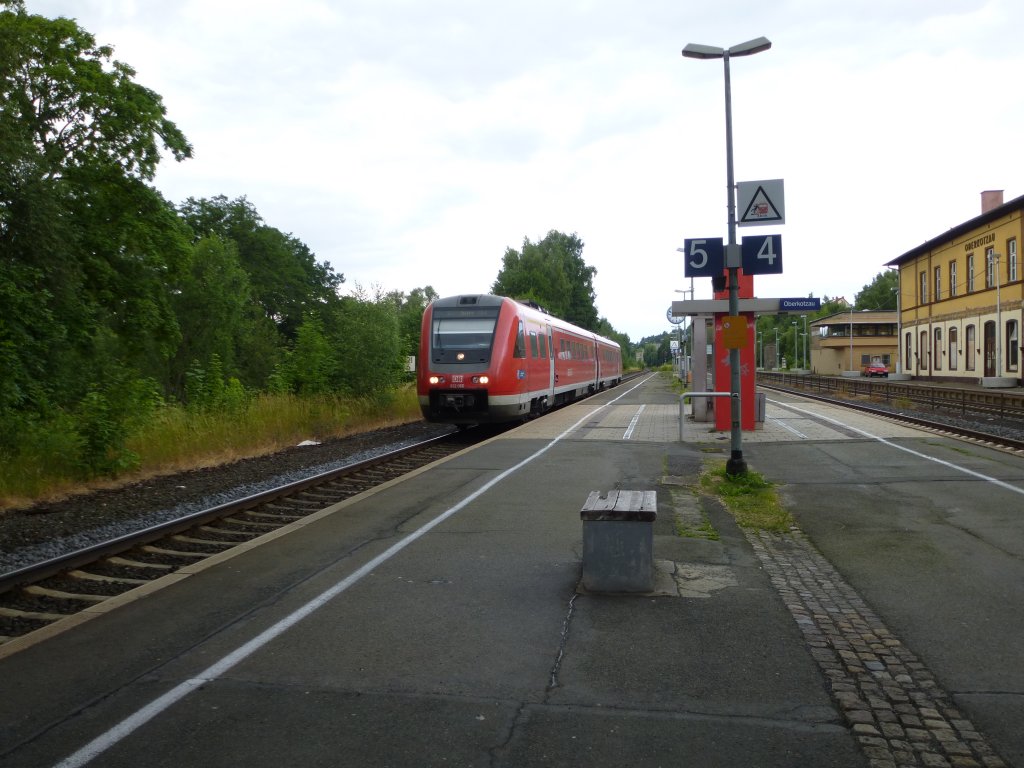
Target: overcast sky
{"points": [[409, 143]]}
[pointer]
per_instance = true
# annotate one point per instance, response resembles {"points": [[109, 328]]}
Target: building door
{"points": [[990, 348]]}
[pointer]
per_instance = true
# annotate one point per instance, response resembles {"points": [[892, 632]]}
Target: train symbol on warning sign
{"points": [[761, 202]]}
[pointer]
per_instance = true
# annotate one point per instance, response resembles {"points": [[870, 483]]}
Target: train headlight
{"points": [[460, 356], [436, 379], [481, 379]]}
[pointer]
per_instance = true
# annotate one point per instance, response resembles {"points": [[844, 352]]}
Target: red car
{"points": [[876, 369]]}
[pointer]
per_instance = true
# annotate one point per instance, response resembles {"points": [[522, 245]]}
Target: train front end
{"points": [[459, 376]]}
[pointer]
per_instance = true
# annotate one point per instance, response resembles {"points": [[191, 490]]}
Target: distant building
{"points": [[961, 299], [852, 339]]}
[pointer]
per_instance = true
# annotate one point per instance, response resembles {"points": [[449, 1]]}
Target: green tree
{"points": [[552, 273], [364, 333], [287, 281], [313, 362], [880, 293], [86, 246], [410, 308], [210, 301], [604, 328]]}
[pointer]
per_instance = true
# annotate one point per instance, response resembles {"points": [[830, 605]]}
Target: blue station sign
{"points": [[705, 257], [799, 305], [762, 255]]}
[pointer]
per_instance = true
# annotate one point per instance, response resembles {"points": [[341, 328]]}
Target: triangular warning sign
{"points": [[761, 209]]}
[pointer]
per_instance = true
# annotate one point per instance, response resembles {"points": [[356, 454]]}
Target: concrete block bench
{"points": [[618, 541]]}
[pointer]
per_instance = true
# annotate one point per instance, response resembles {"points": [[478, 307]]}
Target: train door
{"points": [[990, 349], [551, 366]]}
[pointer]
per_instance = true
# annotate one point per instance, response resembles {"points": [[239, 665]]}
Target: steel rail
{"points": [[54, 566], [933, 424]]}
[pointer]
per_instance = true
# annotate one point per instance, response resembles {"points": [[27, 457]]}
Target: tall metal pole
{"points": [[736, 464], [807, 363], [999, 319]]}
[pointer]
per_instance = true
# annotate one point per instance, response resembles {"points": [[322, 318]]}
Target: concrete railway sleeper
{"points": [[39, 596]]}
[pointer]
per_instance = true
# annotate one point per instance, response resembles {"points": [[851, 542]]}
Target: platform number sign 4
{"points": [[762, 255], [705, 257]]}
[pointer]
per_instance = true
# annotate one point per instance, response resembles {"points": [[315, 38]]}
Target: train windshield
{"points": [[463, 329]]}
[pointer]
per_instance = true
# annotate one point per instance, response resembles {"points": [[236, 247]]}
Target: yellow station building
{"points": [[961, 300]]}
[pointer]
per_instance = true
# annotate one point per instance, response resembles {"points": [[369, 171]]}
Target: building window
{"points": [[937, 349], [923, 296], [969, 348], [952, 348], [970, 273], [938, 284], [952, 279], [1011, 259], [990, 268], [923, 349], [908, 344], [1012, 348]]}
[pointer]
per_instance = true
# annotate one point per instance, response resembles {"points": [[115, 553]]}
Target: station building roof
{"points": [[959, 231]]}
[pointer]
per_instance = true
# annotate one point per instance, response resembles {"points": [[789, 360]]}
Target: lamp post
{"points": [[994, 260], [851, 339], [760, 349], [796, 343], [736, 464], [777, 348], [684, 362], [807, 363]]}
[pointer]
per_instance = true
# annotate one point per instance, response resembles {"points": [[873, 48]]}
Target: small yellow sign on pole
{"points": [[734, 331]]}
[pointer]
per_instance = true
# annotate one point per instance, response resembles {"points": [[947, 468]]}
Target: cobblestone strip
{"points": [[896, 710]]}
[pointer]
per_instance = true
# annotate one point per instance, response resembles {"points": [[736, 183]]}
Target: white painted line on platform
{"points": [[784, 425], [126, 727], [911, 451], [632, 424]]}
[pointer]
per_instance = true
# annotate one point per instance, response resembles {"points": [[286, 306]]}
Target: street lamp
{"points": [[760, 349], [796, 343], [851, 341], [993, 258], [684, 363], [807, 363], [735, 465]]}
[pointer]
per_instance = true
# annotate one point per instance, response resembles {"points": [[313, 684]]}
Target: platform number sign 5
{"points": [[762, 255], [704, 257]]}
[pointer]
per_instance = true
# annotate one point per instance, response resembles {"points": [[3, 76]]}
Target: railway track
{"points": [[996, 419], [40, 595]]}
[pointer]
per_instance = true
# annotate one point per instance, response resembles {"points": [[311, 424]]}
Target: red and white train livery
{"points": [[490, 359]]}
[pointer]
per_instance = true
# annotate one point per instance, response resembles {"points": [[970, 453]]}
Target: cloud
{"points": [[411, 143]]}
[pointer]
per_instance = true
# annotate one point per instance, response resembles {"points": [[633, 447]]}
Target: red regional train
{"points": [[489, 359]]}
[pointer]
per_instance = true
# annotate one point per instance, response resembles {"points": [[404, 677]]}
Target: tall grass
{"points": [[176, 438]]}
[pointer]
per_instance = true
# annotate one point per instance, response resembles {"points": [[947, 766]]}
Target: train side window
{"points": [[543, 346], [520, 349], [533, 345]]}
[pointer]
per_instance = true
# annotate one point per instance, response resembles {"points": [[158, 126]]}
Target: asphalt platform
{"points": [[440, 621]]}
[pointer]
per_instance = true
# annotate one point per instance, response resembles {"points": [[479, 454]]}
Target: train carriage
{"points": [[488, 359]]}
